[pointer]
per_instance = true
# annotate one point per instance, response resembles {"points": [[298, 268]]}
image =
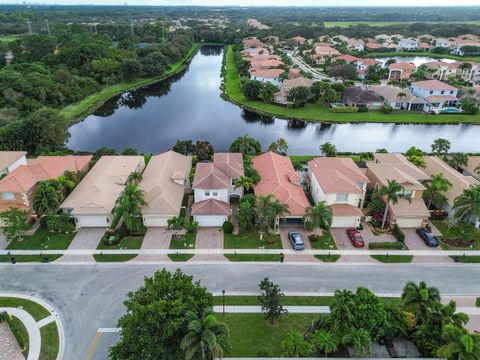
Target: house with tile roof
{"points": [[362, 98], [93, 200], [459, 181], [164, 182], [342, 185], [410, 211], [279, 178], [281, 96], [268, 75], [10, 160], [398, 98], [19, 186], [438, 95], [401, 70], [473, 167], [214, 188]]}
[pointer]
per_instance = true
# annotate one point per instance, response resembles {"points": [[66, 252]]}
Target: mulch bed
{"points": [[458, 242]]}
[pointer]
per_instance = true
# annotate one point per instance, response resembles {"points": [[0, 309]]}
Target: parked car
{"points": [[296, 240], [428, 238], [356, 238]]}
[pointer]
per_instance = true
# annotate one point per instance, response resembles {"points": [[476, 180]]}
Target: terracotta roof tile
{"points": [[211, 207]]}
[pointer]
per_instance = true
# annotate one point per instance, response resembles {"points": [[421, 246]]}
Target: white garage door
{"points": [[409, 223], [345, 221], [155, 220], [93, 221], [210, 220]]}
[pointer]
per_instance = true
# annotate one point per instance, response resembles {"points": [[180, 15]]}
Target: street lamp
{"points": [[223, 300]]}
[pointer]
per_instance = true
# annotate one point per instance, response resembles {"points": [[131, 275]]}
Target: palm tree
{"points": [[458, 160], [401, 95], [128, 207], [135, 178], [278, 210], [468, 204], [320, 216], [465, 66], [361, 341], [246, 145], [206, 338], [436, 187], [459, 344], [341, 311], [390, 192], [328, 149], [295, 345], [451, 316], [325, 341], [244, 182], [420, 297], [65, 184], [47, 198]]}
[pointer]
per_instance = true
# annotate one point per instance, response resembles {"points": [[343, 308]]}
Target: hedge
{"points": [[345, 109], [398, 233], [386, 245]]}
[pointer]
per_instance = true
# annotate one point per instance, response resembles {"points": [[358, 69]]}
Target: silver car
{"points": [[296, 240]]}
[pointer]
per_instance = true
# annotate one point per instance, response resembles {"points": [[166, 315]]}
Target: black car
{"points": [[296, 240], [428, 238]]}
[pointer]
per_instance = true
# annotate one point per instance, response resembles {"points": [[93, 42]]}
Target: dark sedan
{"points": [[296, 240], [428, 238]]}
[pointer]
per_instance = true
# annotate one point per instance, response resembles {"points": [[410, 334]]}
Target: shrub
{"points": [[386, 109], [59, 223], [438, 214], [398, 233], [192, 226], [4, 316], [363, 110], [314, 238], [227, 227], [111, 240], [386, 245], [345, 109], [308, 225], [270, 240]]}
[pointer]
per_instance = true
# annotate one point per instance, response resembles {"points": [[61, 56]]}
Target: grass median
{"points": [[186, 242], [128, 242], [50, 342]]}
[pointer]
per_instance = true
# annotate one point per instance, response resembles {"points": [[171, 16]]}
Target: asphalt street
{"points": [[89, 297]]}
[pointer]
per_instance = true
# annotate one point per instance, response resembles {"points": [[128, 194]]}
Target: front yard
{"points": [[251, 240], [128, 242], [42, 239], [324, 242], [186, 242], [450, 239]]}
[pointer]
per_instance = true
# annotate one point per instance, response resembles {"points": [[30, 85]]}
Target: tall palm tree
{"points": [[278, 210], [467, 205], [341, 311], [320, 215], [420, 297], [459, 344], [361, 341], [325, 341], [245, 182], [206, 338], [391, 193], [458, 160], [436, 187], [47, 198], [135, 177], [128, 207], [295, 345]]}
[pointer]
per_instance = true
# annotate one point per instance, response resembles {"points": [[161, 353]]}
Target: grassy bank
{"points": [[317, 112], [93, 102], [424, 53]]}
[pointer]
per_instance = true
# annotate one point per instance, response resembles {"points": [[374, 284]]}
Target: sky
{"points": [[255, 2]]}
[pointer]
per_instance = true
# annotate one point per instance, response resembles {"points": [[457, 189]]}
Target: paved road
{"points": [[89, 297]]}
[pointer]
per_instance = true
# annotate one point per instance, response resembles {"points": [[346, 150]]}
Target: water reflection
{"points": [[189, 106]]}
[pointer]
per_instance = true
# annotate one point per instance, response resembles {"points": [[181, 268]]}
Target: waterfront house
{"points": [[356, 44], [269, 75], [440, 70], [401, 70], [438, 95], [164, 182], [398, 98], [342, 185], [362, 98], [473, 167], [281, 96], [408, 44], [92, 202], [10, 160]]}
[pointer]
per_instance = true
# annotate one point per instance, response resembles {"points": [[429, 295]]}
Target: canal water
{"points": [[189, 106]]}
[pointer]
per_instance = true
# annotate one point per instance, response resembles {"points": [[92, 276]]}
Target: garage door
{"points": [[345, 221], [409, 223], [155, 221], [210, 220], [92, 221]]}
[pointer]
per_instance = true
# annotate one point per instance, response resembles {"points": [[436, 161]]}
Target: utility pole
{"points": [[48, 27], [29, 23]]}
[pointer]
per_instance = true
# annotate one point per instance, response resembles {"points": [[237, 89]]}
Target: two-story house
{"points": [[342, 185], [410, 211], [268, 75], [214, 188], [439, 95], [10, 160], [408, 44]]}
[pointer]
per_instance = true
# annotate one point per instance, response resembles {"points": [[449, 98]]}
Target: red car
{"points": [[356, 238]]}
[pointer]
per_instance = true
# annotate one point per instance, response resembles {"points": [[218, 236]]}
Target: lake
{"points": [[189, 106], [417, 60]]}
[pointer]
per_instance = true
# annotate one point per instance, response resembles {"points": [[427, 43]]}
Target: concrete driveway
{"points": [[415, 242], [286, 244], [209, 238], [343, 243], [155, 238], [86, 239]]}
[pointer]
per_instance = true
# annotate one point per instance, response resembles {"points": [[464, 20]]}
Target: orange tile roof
{"points": [[208, 176], [42, 168], [433, 85], [345, 210], [268, 73], [211, 207], [277, 172]]}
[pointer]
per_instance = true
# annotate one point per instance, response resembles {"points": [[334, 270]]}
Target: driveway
{"points": [[86, 239], [155, 238], [3, 241], [415, 242], [286, 244], [209, 238]]}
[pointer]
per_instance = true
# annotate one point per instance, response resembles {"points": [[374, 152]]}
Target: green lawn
{"points": [[37, 311], [251, 240], [253, 257], [96, 100], [8, 38], [393, 259], [50, 342], [447, 233], [467, 259], [187, 243], [42, 240], [21, 334], [326, 242], [29, 258], [302, 159], [477, 302], [250, 333], [317, 112], [128, 242], [287, 300]]}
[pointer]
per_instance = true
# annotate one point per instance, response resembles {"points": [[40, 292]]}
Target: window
{"points": [[342, 197], [431, 91], [406, 194], [232, 182], [8, 196], [215, 193], [207, 192], [451, 92], [442, 92]]}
